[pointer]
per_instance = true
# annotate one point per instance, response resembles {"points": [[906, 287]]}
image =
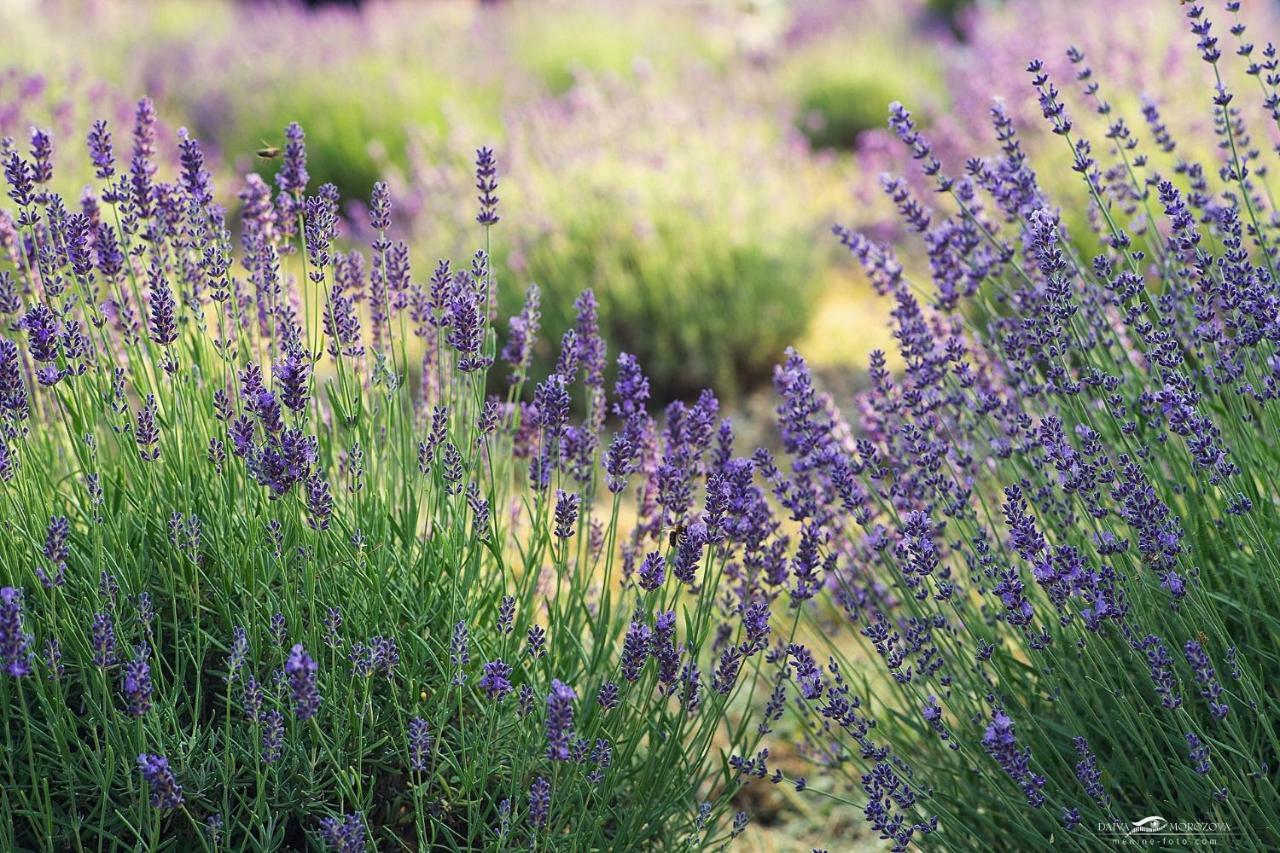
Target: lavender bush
{"points": [[1054, 528], [277, 571], [278, 568]]}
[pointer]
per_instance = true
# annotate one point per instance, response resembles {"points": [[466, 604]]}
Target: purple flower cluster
{"points": [[1001, 743], [487, 185], [345, 834], [166, 793], [272, 736], [135, 684], [1207, 678], [559, 720], [300, 671], [419, 744], [539, 801], [15, 643], [496, 680]]}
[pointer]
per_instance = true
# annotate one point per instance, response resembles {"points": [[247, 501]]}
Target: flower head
{"points": [[487, 185], [496, 680], [166, 793], [301, 672], [419, 744], [135, 684], [15, 643], [559, 720], [539, 801]]}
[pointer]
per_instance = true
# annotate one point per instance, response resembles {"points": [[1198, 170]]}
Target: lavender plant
{"points": [[277, 571], [1053, 530]]}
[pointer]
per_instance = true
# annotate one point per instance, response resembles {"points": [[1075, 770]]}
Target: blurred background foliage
{"points": [[684, 159]]}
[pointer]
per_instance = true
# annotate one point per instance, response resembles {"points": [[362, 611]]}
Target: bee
{"points": [[1204, 641], [269, 152], [678, 536]]}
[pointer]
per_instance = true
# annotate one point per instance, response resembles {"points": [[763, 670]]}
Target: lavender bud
{"points": [[301, 672], [15, 644], [166, 793]]}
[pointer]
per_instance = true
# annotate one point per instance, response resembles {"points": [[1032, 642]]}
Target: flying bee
{"points": [[269, 152], [1204, 641], [679, 534]]}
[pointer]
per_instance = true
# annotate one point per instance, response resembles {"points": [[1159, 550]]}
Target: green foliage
{"points": [[842, 87], [612, 40], [700, 302], [358, 121], [639, 196], [835, 109]]}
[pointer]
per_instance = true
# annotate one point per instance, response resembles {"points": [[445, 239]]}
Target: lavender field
{"points": [[768, 425]]}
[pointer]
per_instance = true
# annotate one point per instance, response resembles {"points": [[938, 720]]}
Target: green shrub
{"points": [[698, 301], [665, 209], [358, 120], [843, 87]]}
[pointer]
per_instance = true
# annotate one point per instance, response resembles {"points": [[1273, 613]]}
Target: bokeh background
{"points": [[684, 159]]}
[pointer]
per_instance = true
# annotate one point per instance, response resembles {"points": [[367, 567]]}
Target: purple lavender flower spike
{"points": [[135, 684], [103, 640], [1199, 752], [635, 650], [1089, 775], [380, 207], [319, 502], [1000, 742], [272, 736], [506, 614], [460, 651], [344, 834], [41, 156], [539, 801], [386, 655], [566, 514], [292, 377], [301, 672], [487, 185], [146, 433], [13, 391], [100, 153], [1207, 678], [521, 335], [15, 643], [536, 641], [162, 326], [292, 178], [194, 178], [419, 744], [653, 571], [496, 680], [43, 330], [559, 720], [166, 793]]}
